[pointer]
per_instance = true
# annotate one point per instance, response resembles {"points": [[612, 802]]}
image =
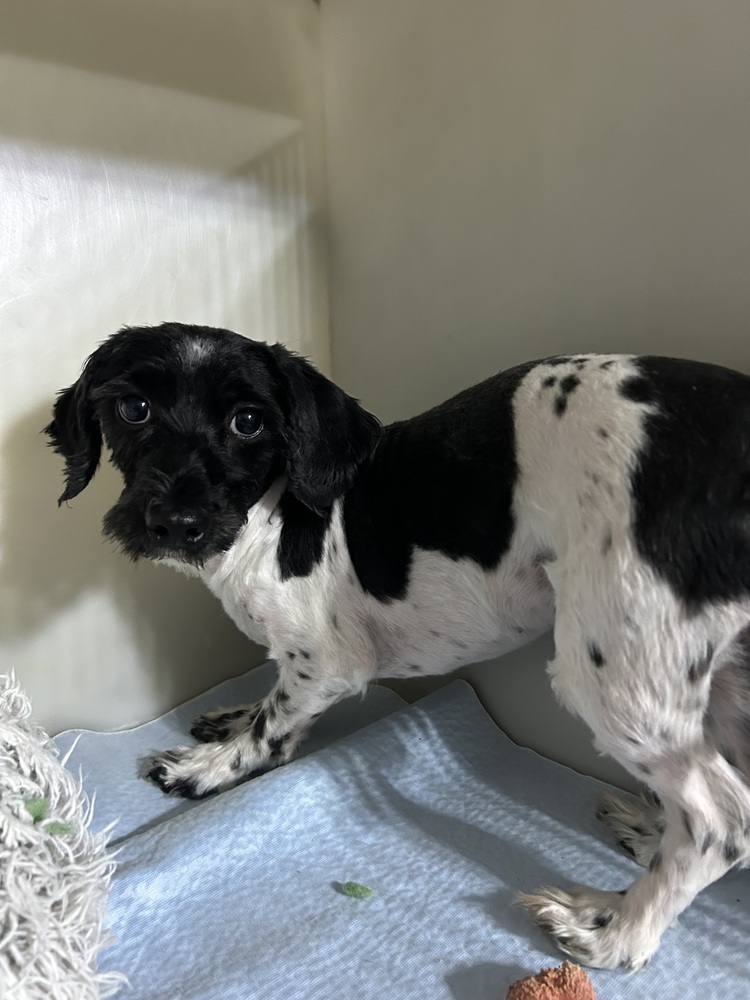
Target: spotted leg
{"points": [[259, 738], [222, 724], [656, 709], [636, 824], [700, 843]]}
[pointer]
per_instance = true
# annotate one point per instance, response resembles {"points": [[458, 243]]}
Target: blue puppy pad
{"points": [[109, 762], [446, 820]]}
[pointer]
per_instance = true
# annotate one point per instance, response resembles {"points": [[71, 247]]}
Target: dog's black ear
{"points": [[329, 436], [75, 434]]}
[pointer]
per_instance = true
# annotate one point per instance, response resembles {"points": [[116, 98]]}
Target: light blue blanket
{"points": [[432, 807]]}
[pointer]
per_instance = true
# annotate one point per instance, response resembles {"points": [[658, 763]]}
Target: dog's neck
{"points": [[245, 578]]}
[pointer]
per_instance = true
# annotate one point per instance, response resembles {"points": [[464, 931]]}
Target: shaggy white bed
{"points": [[54, 872]]}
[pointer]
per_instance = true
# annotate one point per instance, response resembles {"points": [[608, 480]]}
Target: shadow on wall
{"points": [[255, 54], [55, 559]]}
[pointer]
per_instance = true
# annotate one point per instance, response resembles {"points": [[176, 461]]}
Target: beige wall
{"points": [[159, 159], [513, 179]]}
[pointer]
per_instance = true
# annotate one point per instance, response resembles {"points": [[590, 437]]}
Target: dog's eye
{"points": [[246, 423], [133, 410]]}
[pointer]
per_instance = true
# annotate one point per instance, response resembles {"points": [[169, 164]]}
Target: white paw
{"points": [[637, 825], [587, 925], [194, 772]]}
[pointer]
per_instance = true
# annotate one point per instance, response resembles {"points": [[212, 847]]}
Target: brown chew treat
{"points": [[567, 982]]}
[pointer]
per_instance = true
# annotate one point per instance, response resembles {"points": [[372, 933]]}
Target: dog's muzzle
{"points": [[173, 527]]}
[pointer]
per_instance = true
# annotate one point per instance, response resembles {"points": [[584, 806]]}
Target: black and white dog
{"points": [[609, 494]]}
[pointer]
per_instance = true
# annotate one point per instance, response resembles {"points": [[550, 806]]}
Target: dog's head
{"points": [[201, 422]]}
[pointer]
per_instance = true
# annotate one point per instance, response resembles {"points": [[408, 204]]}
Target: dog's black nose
{"points": [[173, 528]]}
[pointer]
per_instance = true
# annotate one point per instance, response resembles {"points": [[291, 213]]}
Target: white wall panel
{"points": [[130, 197]]}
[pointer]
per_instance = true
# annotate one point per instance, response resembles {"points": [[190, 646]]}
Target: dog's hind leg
{"points": [[665, 728], [707, 832], [636, 823]]}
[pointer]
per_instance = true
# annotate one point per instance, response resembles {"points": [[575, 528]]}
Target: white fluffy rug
{"points": [[54, 874]]}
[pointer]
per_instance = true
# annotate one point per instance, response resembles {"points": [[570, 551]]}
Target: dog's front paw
{"points": [[587, 925], [224, 723], [191, 772]]}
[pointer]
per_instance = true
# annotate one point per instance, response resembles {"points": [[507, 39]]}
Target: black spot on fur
{"points": [[625, 846], [566, 942], [291, 655], [434, 632], [622, 892], [304, 654], [603, 919], [549, 381], [415, 668], [303, 676], [208, 732], [606, 364], [567, 385], [276, 745], [303, 531], [688, 824], [570, 383], [595, 655], [259, 724], [282, 695], [602, 433], [699, 668], [184, 787], [732, 853], [543, 557], [691, 523], [708, 842], [334, 623], [458, 457], [236, 762]]}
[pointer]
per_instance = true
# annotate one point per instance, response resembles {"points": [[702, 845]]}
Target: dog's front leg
{"points": [[261, 736]]}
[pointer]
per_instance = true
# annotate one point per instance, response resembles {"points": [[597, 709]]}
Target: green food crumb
{"points": [[37, 808], [57, 829], [357, 891]]}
